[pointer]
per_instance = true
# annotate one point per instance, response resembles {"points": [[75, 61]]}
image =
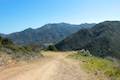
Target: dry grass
{"points": [[99, 66]]}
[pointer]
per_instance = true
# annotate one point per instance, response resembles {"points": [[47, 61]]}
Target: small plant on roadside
{"points": [[84, 52], [52, 48]]}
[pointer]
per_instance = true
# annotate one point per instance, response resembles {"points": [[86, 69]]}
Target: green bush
{"points": [[6, 41], [52, 48], [0, 40]]}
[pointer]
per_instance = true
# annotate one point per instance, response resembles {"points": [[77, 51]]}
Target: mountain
{"points": [[101, 40], [49, 33], [2, 34]]}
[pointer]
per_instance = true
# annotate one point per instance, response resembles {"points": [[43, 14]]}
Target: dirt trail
{"points": [[55, 66]]}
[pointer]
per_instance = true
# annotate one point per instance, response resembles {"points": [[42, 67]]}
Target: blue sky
{"points": [[17, 15]]}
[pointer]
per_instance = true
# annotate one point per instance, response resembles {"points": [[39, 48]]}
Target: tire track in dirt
{"points": [[54, 67]]}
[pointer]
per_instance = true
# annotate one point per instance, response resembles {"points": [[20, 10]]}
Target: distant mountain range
{"points": [[3, 35], [101, 40], [47, 34]]}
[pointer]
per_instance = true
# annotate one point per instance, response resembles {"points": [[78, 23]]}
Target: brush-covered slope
{"points": [[101, 40], [11, 52], [50, 33]]}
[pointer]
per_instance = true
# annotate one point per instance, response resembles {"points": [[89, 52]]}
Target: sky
{"points": [[17, 15]]}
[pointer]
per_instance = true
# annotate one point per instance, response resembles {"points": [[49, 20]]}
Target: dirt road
{"points": [[54, 66]]}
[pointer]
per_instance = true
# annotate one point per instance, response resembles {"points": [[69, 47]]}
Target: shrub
{"points": [[0, 40], [52, 48], [84, 52], [6, 41]]}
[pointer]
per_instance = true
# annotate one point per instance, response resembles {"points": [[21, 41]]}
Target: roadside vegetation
{"points": [[97, 65], [11, 52], [51, 48]]}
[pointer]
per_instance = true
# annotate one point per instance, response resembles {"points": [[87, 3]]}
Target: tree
{"points": [[0, 40], [6, 41]]}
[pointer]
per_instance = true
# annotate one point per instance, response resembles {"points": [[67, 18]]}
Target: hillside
{"points": [[101, 40], [3, 35], [49, 33], [10, 52]]}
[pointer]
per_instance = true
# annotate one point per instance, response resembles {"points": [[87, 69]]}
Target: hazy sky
{"points": [[16, 15]]}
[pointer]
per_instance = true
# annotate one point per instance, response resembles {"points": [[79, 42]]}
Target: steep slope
{"points": [[50, 33], [101, 40]]}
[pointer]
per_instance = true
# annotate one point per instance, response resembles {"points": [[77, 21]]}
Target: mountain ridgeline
{"points": [[47, 34], [101, 40]]}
